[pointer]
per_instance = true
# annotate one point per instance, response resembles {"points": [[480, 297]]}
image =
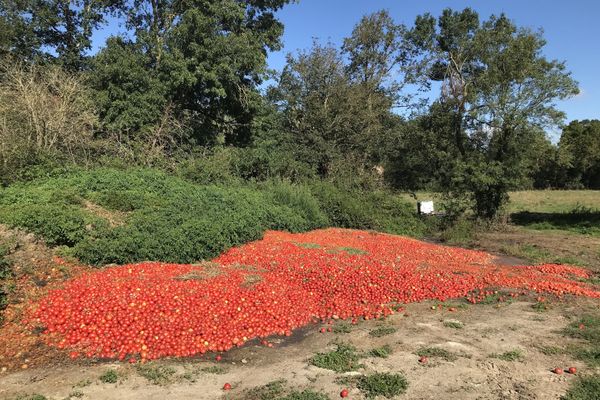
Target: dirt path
{"points": [[474, 374]]}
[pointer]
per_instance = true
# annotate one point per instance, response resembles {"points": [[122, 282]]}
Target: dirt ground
{"points": [[474, 335], [475, 374]]}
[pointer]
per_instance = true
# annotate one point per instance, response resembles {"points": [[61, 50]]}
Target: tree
{"points": [[497, 87], [579, 150], [208, 57], [47, 29]]}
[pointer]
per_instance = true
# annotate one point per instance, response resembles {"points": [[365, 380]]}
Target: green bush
{"points": [[166, 218]]}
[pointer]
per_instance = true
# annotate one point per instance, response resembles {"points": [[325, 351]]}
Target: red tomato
{"points": [[344, 393], [572, 370], [558, 371], [227, 386]]}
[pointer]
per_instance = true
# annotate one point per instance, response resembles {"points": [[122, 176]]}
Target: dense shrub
{"points": [[119, 216]]}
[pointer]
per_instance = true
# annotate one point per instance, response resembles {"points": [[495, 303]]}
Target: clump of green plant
{"points": [[343, 359], [82, 383], [306, 394], [270, 391], [214, 369], [381, 352], [110, 376], [453, 324], [587, 328], [549, 350], [383, 331], [437, 352], [75, 394], [512, 355], [156, 374], [308, 245], [540, 306], [342, 327], [382, 384], [584, 388], [352, 251], [34, 396]]}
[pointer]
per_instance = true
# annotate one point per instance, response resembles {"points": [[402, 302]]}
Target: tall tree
{"points": [[209, 55], [496, 86], [579, 150], [60, 29]]}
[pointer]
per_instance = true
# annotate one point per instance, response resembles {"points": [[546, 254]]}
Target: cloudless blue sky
{"points": [[571, 28]]}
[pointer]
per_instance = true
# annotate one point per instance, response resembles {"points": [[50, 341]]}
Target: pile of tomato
{"points": [[270, 287]]}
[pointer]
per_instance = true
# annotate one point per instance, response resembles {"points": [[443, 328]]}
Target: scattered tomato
{"points": [[227, 386], [344, 393], [558, 371], [572, 370]]}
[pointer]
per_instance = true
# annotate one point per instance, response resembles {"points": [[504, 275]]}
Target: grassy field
{"points": [[540, 201], [554, 201]]}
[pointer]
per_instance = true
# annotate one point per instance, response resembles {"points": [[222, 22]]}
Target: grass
{"points": [[387, 385], [587, 328], [454, 324], [342, 327], [343, 359], [584, 388], [381, 352], [110, 376], [436, 352], [82, 383], [383, 331], [214, 369], [512, 355], [156, 374], [306, 394], [34, 396], [270, 391], [352, 251], [107, 215], [500, 297], [550, 350], [541, 306]]}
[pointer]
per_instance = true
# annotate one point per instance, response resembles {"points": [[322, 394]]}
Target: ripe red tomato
{"points": [[423, 360], [558, 371], [344, 393], [152, 310], [218, 357], [227, 386], [572, 370]]}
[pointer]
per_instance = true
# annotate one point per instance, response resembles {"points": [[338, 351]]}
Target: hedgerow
{"points": [[158, 216]]}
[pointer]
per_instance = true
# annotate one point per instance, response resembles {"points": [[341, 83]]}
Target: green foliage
{"points": [[387, 385], [156, 374], [587, 329], [513, 355], [383, 331], [342, 327], [35, 396], [454, 324], [110, 376], [343, 359], [381, 352], [306, 394], [579, 154], [270, 391], [436, 352], [214, 369], [584, 388], [165, 218]]}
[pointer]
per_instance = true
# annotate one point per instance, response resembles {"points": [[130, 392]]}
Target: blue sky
{"points": [[571, 28]]}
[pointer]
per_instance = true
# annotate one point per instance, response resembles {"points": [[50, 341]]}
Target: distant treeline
{"points": [[182, 90]]}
